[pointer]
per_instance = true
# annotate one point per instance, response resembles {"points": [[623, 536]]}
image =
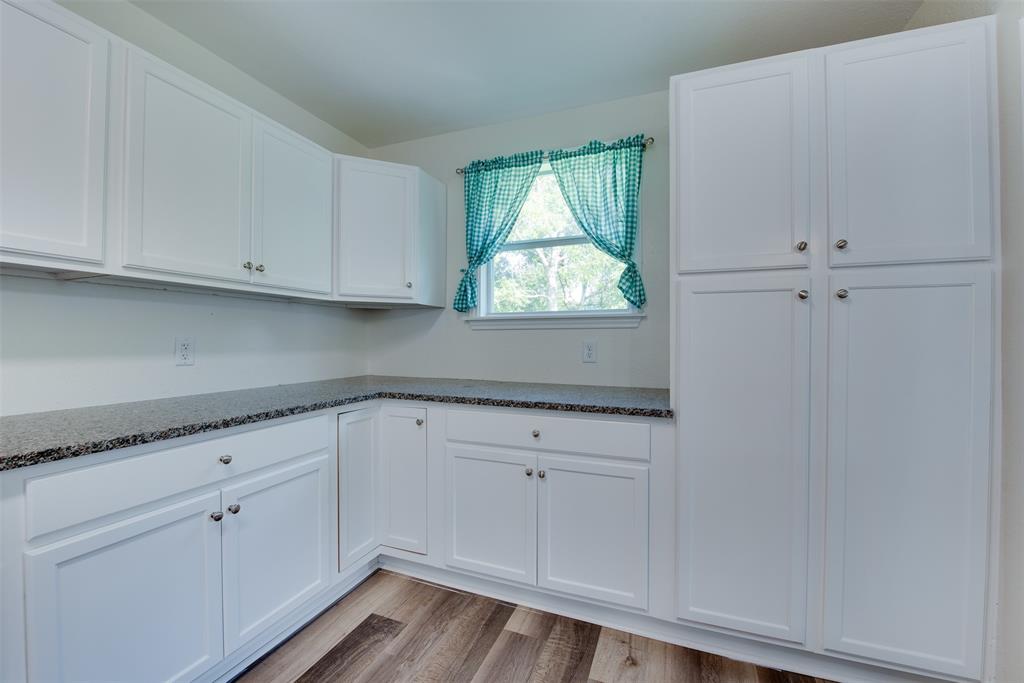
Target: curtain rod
{"points": [[647, 143]]}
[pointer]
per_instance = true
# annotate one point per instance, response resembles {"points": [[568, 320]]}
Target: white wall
{"points": [[142, 29], [71, 344], [439, 343], [1010, 634]]}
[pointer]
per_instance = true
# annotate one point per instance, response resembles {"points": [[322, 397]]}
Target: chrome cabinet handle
{"points": [[260, 268], [842, 244], [536, 433], [542, 474], [801, 245], [217, 516], [803, 294], [529, 471], [247, 265], [408, 285], [234, 508], [419, 421], [842, 293], [225, 459]]}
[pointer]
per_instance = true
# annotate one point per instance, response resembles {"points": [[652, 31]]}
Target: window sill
{"points": [[557, 321]]}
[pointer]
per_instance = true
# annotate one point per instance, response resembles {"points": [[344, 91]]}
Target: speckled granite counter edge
{"points": [[18, 460]]}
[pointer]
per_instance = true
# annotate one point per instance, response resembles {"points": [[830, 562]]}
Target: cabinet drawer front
{"points": [[56, 501], [628, 440]]}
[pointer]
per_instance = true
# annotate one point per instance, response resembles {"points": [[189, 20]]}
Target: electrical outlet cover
{"points": [[184, 351]]}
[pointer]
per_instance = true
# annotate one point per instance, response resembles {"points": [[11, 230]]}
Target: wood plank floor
{"points": [[393, 628]]}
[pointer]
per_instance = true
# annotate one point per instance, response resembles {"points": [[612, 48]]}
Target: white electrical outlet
{"points": [[184, 351], [589, 351]]}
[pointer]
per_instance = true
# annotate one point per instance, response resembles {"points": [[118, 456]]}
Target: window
{"points": [[548, 269]]}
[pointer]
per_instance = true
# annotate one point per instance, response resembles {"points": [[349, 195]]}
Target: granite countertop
{"points": [[34, 438]]}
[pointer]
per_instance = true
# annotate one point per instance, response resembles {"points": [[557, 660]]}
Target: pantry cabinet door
{"points": [[910, 409], [276, 546], [291, 210], [492, 511], [53, 131], [376, 215], [403, 451], [741, 166], [909, 166], [138, 600], [188, 198], [743, 443], [592, 529], [357, 485]]}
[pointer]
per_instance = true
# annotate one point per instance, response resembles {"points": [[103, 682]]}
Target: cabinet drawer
{"points": [[58, 501], [629, 440]]}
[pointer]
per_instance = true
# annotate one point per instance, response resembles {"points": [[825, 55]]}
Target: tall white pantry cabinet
{"points": [[835, 265]]}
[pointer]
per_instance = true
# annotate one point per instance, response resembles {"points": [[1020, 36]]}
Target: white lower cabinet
{"points": [[576, 525], [492, 511], [357, 485], [403, 455], [276, 546], [138, 600], [743, 445], [908, 466], [592, 529]]}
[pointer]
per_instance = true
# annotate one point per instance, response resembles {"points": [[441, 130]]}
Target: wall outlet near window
{"points": [[184, 351], [589, 351]]}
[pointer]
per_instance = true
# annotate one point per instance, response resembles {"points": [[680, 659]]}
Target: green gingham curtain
{"points": [[601, 184], [495, 192]]}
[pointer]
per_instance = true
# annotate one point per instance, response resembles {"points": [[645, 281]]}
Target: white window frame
{"points": [[483, 319]]}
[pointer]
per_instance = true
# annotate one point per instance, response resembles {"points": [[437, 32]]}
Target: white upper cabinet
{"points": [[390, 233], [188, 176], [910, 410], [909, 166], [744, 446], [291, 210], [53, 131], [741, 156]]}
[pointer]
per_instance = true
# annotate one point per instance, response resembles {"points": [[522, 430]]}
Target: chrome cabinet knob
{"points": [[234, 508], [260, 268], [225, 459], [536, 433], [247, 265], [419, 421], [842, 244], [842, 293], [529, 471], [217, 516], [408, 285], [803, 294], [542, 474], [801, 245]]}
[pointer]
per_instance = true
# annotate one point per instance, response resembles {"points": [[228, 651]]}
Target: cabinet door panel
{"points": [[742, 166], [492, 512], [53, 131], [909, 422], [377, 204], [291, 210], [276, 547], [188, 199], [357, 484], [592, 529], [908, 122], [403, 448], [744, 387], [139, 600]]}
